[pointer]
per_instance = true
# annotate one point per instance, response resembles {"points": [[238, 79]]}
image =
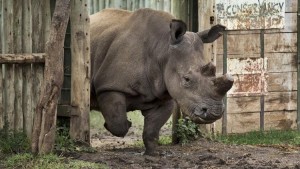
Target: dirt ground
{"points": [[203, 153]]}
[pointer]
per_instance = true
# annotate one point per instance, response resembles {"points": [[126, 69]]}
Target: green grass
{"points": [[50, 161], [273, 137], [97, 120], [13, 142], [165, 140]]}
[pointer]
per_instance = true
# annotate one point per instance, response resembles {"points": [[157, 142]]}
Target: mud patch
{"points": [[199, 154]]}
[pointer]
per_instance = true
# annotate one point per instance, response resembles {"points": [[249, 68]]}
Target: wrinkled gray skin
{"points": [[146, 60]]}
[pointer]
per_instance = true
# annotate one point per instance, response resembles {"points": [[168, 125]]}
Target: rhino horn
{"points": [[208, 69], [223, 84]]}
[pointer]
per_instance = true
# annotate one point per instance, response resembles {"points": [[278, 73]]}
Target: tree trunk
{"points": [[44, 127]]}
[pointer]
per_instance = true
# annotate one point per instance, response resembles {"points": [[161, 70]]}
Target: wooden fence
{"points": [[264, 65], [24, 27]]}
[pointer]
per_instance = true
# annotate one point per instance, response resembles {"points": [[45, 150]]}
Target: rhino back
{"points": [[125, 49]]}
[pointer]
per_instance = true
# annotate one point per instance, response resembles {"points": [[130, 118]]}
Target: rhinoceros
{"points": [[147, 60]]}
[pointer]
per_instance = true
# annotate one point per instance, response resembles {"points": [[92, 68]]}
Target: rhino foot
{"points": [[117, 129]]}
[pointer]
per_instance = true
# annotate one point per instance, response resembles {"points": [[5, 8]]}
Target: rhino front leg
{"points": [[113, 108], [154, 119]]}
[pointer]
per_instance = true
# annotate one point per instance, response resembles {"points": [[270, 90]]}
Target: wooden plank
{"points": [[291, 5], [27, 77], [1, 97], [1, 34], [290, 24], [41, 18], [102, 4], [276, 101], [22, 58], [243, 122], [246, 122], [18, 121], [1, 74], [80, 72], [241, 44], [284, 81], [242, 32], [96, 6], [281, 62], [243, 104], [281, 42], [8, 44], [205, 12], [91, 4], [280, 120], [248, 85]]}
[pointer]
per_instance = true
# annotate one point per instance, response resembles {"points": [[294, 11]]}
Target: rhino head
{"points": [[191, 82]]}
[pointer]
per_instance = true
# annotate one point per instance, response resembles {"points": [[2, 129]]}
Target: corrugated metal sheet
{"points": [[250, 14], [97, 5]]}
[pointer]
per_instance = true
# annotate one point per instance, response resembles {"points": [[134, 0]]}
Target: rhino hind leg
{"points": [[154, 119], [113, 109]]}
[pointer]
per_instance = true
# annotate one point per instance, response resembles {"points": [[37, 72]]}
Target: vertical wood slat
{"points": [[141, 3], [91, 4], [27, 76], [9, 94], [1, 73], [80, 72], [18, 118], [96, 6], [40, 32], [102, 5], [298, 67]]}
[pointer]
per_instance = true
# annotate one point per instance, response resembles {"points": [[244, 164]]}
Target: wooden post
{"points": [[1, 74], [80, 71], [44, 128], [298, 68], [27, 77], [205, 12], [8, 44], [18, 118], [176, 115]]}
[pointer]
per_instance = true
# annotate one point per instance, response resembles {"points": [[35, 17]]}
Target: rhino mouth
{"points": [[204, 114]]}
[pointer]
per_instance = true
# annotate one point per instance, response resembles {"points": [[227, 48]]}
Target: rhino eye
{"points": [[186, 81]]}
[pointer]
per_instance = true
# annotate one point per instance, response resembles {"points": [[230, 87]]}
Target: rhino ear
{"points": [[178, 29], [208, 36]]}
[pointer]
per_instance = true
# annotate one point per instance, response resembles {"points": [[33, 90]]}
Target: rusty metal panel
{"points": [[250, 14], [250, 77]]}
